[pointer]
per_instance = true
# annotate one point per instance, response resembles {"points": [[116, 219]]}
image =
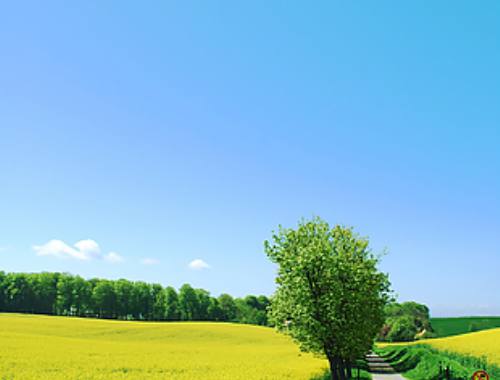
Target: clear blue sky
{"points": [[172, 131]]}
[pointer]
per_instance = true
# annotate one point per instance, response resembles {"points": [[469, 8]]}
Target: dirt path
{"points": [[381, 370]]}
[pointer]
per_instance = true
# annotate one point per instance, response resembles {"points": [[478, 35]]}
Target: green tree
{"points": [[214, 310], [19, 294], [142, 301], [228, 307], [124, 298], [2, 291], [202, 311], [104, 299], [188, 303], [251, 310], [64, 298], [172, 312], [44, 287], [403, 329], [330, 296], [82, 294], [406, 321], [159, 302]]}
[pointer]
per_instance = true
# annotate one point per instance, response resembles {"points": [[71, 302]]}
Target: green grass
{"points": [[461, 325], [363, 375], [422, 362]]}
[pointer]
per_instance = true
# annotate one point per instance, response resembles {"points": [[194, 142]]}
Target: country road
{"points": [[381, 370]]}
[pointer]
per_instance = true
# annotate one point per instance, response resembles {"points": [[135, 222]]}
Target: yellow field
{"points": [[482, 343], [40, 347]]}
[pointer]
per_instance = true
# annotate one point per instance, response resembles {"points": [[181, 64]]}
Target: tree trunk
{"points": [[349, 370], [334, 368], [342, 369]]}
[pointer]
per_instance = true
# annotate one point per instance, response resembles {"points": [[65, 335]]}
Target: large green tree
{"points": [[330, 296]]}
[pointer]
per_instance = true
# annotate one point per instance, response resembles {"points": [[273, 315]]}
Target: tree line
{"points": [[66, 294]]}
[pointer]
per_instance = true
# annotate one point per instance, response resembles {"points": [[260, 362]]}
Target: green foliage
{"points": [[402, 329], [159, 298], [104, 299], [188, 303], [330, 296], [64, 294], [363, 375], [124, 298], [252, 310], [421, 362], [227, 307], [461, 325], [405, 322], [172, 310]]}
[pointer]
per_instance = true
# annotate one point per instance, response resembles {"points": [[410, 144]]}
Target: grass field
{"points": [[422, 362], [419, 363], [461, 325], [42, 347]]}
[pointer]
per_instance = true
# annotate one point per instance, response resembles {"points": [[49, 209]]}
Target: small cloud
{"points": [[84, 250], [198, 264], [150, 261], [113, 257]]}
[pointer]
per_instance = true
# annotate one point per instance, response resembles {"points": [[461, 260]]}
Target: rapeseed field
{"points": [[483, 343], [43, 347]]}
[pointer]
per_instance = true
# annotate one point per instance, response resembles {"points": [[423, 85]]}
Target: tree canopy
{"points": [[330, 296], [405, 322], [65, 294]]}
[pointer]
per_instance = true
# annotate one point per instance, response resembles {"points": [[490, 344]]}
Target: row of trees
{"points": [[65, 294]]}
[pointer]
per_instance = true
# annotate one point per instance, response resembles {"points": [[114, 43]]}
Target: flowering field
{"points": [[483, 343], [42, 347]]}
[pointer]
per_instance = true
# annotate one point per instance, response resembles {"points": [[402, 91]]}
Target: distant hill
{"points": [[454, 326]]}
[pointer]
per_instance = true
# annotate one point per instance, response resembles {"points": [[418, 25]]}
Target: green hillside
{"points": [[461, 325]]}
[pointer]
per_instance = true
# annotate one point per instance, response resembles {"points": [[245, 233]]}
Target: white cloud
{"points": [[113, 257], [60, 249], [89, 248], [150, 261], [198, 264], [82, 250]]}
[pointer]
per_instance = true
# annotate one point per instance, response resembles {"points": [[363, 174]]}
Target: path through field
{"points": [[380, 370]]}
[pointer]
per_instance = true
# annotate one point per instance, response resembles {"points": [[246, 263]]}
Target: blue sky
{"points": [[181, 131]]}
